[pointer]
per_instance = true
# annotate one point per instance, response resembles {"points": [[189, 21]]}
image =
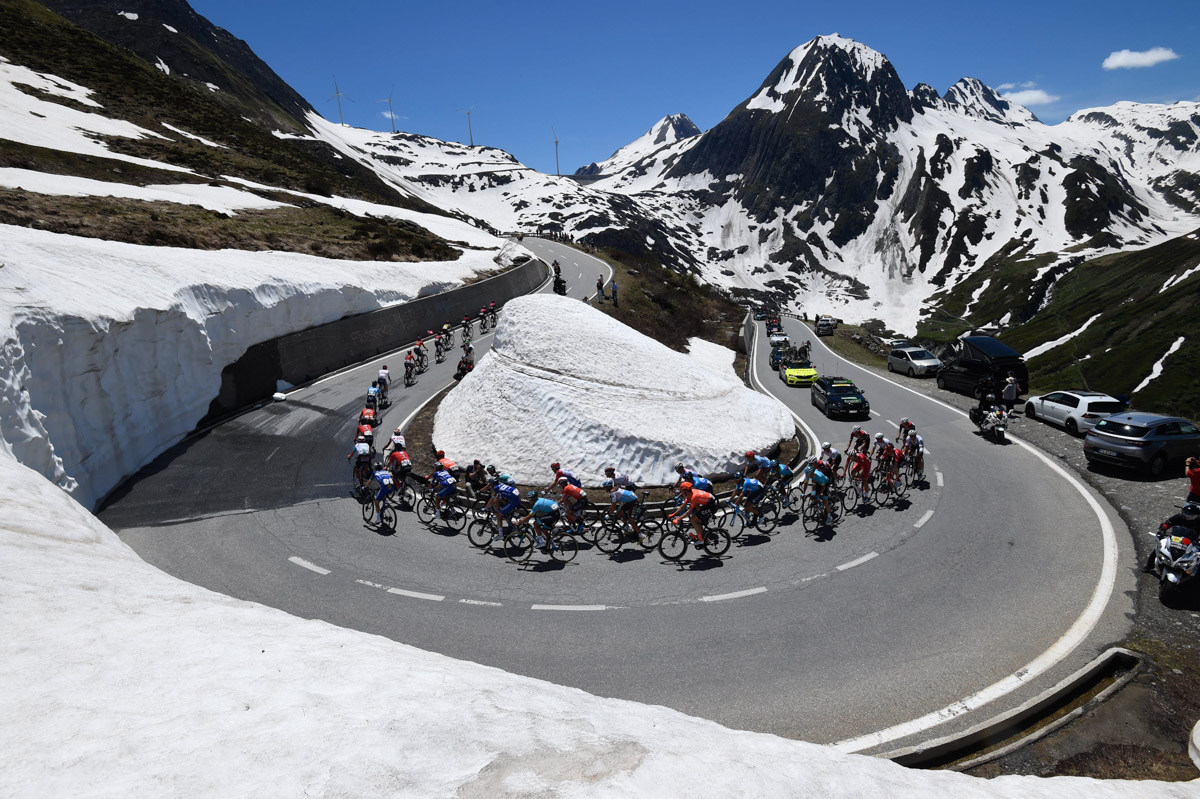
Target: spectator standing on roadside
{"points": [[1192, 471], [600, 289], [613, 289], [1009, 394]]}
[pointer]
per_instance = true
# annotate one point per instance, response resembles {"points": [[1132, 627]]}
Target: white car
{"points": [[1078, 411], [913, 361], [778, 340]]}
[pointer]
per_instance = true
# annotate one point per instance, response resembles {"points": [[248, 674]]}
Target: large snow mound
{"points": [[120, 680], [565, 382]]}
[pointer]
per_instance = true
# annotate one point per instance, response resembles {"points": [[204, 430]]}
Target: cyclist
{"points": [[858, 466], [361, 454], [821, 475], [492, 311], [445, 483], [697, 504], [466, 323], [686, 473], [366, 433], [544, 511], [749, 491], [830, 456], [399, 464], [367, 416], [620, 480], [505, 499], [880, 446], [559, 473], [439, 347], [905, 427], [860, 441], [373, 392], [445, 462], [422, 354], [623, 503], [781, 474], [385, 381], [914, 447], [483, 321], [756, 465], [574, 500], [386, 486], [889, 460], [395, 442], [410, 366]]}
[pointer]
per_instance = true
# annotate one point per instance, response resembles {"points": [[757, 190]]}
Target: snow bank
{"points": [[122, 681], [565, 382], [111, 352]]}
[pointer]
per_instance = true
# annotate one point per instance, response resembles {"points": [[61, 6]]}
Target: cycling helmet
{"points": [[562, 481], [879, 436], [679, 467], [470, 348], [441, 453], [455, 469], [429, 332], [361, 439], [1191, 510], [903, 420], [609, 470], [857, 429], [554, 466], [491, 469], [504, 478], [685, 486], [912, 431], [374, 384], [399, 431], [378, 465], [607, 484], [824, 445], [532, 494], [749, 454]]}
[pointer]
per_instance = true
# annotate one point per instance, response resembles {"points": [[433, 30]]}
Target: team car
{"points": [[834, 395], [797, 372]]}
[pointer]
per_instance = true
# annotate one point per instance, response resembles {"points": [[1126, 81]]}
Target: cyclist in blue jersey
{"points": [[383, 478], [756, 466], [544, 512], [780, 473], [373, 394], [820, 474], [623, 503], [506, 499], [749, 491], [445, 484]]}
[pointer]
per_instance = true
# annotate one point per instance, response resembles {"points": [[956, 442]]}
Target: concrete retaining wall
{"points": [[308, 354]]}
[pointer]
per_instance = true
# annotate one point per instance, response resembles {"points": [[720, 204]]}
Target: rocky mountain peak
{"points": [[972, 97]]}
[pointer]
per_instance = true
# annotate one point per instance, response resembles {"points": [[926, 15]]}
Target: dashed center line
{"points": [[940, 480], [569, 607], [312, 567], [858, 561], [734, 594], [416, 594], [875, 414], [481, 602], [921, 522]]}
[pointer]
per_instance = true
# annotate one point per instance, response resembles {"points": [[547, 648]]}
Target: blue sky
{"points": [[602, 73]]}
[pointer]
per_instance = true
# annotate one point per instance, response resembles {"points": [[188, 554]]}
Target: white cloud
{"points": [[1003, 87], [1031, 97], [1128, 59], [389, 115]]}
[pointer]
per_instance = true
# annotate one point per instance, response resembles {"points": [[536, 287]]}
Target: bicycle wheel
{"points": [[407, 497], [716, 542], [455, 517], [610, 537], [850, 497], [589, 530], [651, 530], [673, 545], [389, 517], [768, 519], [734, 523], [480, 532], [564, 547], [368, 511], [518, 544], [882, 492], [425, 509], [813, 516]]}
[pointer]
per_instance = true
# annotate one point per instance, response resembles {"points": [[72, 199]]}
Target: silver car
{"points": [[1141, 440], [1078, 411], [913, 361]]}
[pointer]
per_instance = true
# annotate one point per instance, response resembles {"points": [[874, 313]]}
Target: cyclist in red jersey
{"points": [[860, 440], [859, 464]]}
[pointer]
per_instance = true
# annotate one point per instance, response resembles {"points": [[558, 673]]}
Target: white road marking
{"points": [[876, 414], [858, 561], [569, 607], [1058, 651], [481, 602], [312, 567], [734, 594], [272, 454], [940, 480], [890, 422], [416, 594], [921, 522]]}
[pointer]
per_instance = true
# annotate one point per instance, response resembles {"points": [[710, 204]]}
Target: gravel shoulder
{"points": [[1142, 731]]}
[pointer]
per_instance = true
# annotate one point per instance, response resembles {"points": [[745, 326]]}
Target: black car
{"points": [[834, 395], [982, 365]]}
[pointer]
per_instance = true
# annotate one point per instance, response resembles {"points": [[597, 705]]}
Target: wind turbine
{"points": [[391, 114], [469, 129], [556, 169], [338, 94]]}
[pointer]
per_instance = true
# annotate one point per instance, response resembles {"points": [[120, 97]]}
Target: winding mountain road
{"points": [[891, 620]]}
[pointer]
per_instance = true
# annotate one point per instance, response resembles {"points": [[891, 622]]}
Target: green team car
{"points": [[797, 372]]}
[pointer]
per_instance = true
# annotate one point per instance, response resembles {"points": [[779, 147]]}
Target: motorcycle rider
{"points": [[1187, 520]]}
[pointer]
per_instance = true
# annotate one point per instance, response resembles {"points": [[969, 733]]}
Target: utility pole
{"points": [[470, 131], [338, 94], [557, 171]]}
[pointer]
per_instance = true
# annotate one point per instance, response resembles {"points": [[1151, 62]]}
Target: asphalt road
{"points": [[890, 616]]}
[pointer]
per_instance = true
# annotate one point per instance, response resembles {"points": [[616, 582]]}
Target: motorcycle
{"points": [[993, 423], [1174, 561]]}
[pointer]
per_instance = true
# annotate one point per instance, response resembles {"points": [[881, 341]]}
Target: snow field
{"points": [[112, 352], [565, 382]]}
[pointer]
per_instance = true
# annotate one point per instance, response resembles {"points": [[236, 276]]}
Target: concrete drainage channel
{"points": [[1116, 667]]}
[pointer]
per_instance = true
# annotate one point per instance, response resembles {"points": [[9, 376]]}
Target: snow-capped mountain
{"points": [[667, 131]]}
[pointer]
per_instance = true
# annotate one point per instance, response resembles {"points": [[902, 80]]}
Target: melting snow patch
{"points": [[163, 66], [599, 394], [1177, 279], [128, 15], [193, 136], [1157, 369], [212, 87], [1049, 345], [168, 27]]}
